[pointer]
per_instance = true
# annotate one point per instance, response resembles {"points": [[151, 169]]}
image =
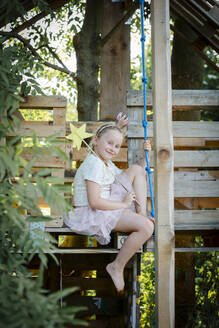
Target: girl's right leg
{"points": [[141, 229], [137, 177]]}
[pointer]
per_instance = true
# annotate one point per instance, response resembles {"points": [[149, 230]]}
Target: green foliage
{"points": [[210, 77], [24, 303], [136, 63], [205, 312], [147, 296], [210, 81], [52, 39]]}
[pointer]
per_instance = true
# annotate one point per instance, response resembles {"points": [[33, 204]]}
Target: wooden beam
{"points": [[196, 220], [182, 158], [196, 158], [183, 220], [184, 99], [41, 130], [181, 129], [196, 203], [196, 189], [196, 249], [164, 205], [193, 185], [43, 102]]}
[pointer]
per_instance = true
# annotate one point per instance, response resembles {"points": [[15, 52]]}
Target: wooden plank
{"points": [[196, 220], [206, 13], [164, 205], [196, 189], [194, 184], [186, 175], [43, 102], [190, 142], [199, 158], [193, 142], [183, 99], [181, 129], [184, 158], [80, 155], [197, 249], [196, 203], [41, 130], [91, 126], [183, 220], [83, 251], [59, 116], [206, 31], [48, 160]]}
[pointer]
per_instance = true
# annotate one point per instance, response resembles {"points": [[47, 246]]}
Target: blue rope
{"points": [[144, 122]]}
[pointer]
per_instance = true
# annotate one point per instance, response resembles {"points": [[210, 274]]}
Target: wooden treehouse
{"points": [[195, 188], [185, 168]]}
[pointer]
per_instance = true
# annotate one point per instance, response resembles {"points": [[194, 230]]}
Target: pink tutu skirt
{"points": [[86, 221]]}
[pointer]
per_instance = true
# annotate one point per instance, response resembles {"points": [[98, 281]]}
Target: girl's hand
{"points": [[147, 146], [122, 120], [129, 198]]}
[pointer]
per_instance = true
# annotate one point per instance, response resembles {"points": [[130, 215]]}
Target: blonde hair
{"points": [[106, 127]]}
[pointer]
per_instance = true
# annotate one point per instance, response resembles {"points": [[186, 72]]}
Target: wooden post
{"points": [[164, 198]]}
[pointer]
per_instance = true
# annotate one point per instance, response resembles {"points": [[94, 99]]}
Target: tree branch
{"points": [[123, 20], [29, 22], [55, 56], [37, 55]]}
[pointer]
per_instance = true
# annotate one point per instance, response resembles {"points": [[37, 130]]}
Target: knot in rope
{"points": [[145, 80], [144, 123], [147, 169]]}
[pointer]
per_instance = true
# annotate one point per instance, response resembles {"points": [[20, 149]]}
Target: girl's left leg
{"points": [[140, 229], [137, 177]]}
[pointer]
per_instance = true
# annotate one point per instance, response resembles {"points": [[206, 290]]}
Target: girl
{"points": [[103, 205]]}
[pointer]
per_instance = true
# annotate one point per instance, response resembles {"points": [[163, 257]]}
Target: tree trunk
{"points": [[115, 62], [87, 47]]}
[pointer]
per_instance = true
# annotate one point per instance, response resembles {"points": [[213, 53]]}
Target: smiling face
{"points": [[108, 144]]}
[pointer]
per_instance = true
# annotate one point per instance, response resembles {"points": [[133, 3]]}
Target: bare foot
{"points": [[116, 276]]}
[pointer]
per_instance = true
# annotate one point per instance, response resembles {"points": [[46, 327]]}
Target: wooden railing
{"points": [[196, 157]]}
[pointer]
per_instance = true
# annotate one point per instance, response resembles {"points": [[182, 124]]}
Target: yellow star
{"points": [[77, 135]]}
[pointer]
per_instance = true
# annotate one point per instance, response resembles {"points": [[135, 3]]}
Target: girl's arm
{"points": [[96, 202]]}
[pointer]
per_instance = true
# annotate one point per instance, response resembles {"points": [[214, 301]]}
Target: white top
{"points": [[93, 169]]}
